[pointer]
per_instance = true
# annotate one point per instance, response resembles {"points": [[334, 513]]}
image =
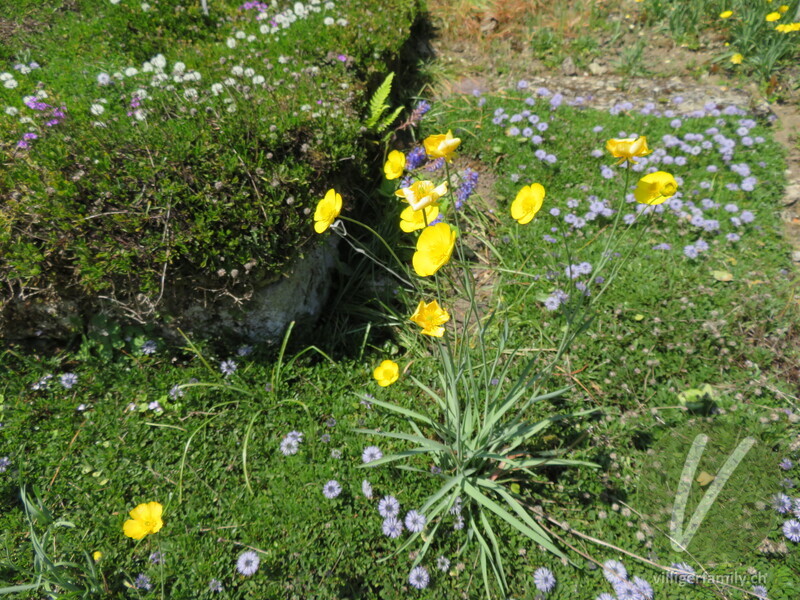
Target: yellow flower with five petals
{"points": [[430, 316], [628, 148], [441, 146], [527, 203], [434, 249], [145, 519], [395, 165], [386, 373], [327, 210], [654, 188]]}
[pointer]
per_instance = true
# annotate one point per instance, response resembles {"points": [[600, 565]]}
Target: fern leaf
{"points": [[377, 105], [380, 127]]}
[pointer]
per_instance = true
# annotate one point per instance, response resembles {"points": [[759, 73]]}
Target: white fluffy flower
{"points": [[258, 80], [97, 109], [6, 76], [12, 111], [240, 35], [249, 72], [178, 67], [190, 93], [103, 79], [328, 21], [10, 83], [230, 43], [145, 7], [237, 70], [216, 89], [158, 61]]}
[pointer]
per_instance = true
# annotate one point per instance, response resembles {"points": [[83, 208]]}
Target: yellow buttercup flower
{"points": [[434, 249], [97, 555], [395, 165], [654, 188], [145, 519], [411, 220], [773, 16], [727, 14], [422, 193], [441, 145], [386, 373], [737, 59], [628, 148], [327, 210], [783, 8], [430, 317], [527, 203]]}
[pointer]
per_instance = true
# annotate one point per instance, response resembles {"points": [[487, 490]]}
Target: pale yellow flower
{"points": [[434, 249], [145, 519], [412, 220], [422, 193], [430, 317], [395, 165], [327, 210], [441, 145], [654, 188], [627, 148], [97, 555], [527, 203], [386, 373], [783, 8], [737, 59]]}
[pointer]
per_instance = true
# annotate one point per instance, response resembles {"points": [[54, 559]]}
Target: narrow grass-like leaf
{"points": [[422, 441]]}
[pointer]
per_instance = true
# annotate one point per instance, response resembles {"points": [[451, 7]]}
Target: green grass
{"points": [[667, 325]]}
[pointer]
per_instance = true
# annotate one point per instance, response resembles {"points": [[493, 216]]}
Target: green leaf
{"points": [[377, 104]]}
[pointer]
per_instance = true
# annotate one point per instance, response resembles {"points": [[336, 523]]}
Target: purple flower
{"points": [[215, 585], [760, 592], [683, 572], [419, 578], [644, 588], [247, 563], [392, 527], [388, 507], [786, 464], [142, 582], [747, 216], [371, 453], [227, 367], [68, 380], [662, 246], [544, 580], [690, 251], [791, 529], [416, 158], [614, 570], [415, 522], [331, 489], [366, 489]]}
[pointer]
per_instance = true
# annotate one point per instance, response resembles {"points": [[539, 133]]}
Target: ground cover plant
{"points": [[252, 453], [760, 38], [150, 151]]}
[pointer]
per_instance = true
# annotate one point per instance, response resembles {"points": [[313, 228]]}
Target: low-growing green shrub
{"points": [[155, 152]]}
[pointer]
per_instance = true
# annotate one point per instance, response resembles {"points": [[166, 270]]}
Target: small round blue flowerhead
{"points": [[544, 580], [388, 507], [371, 453], [791, 529], [415, 522], [683, 572], [247, 563], [760, 591], [68, 380], [215, 585], [227, 367], [782, 503], [614, 571], [142, 582], [644, 588], [785, 464], [366, 489], [392, 527], [419, 578], [331, 489], [627, 590], [443, 563]]}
